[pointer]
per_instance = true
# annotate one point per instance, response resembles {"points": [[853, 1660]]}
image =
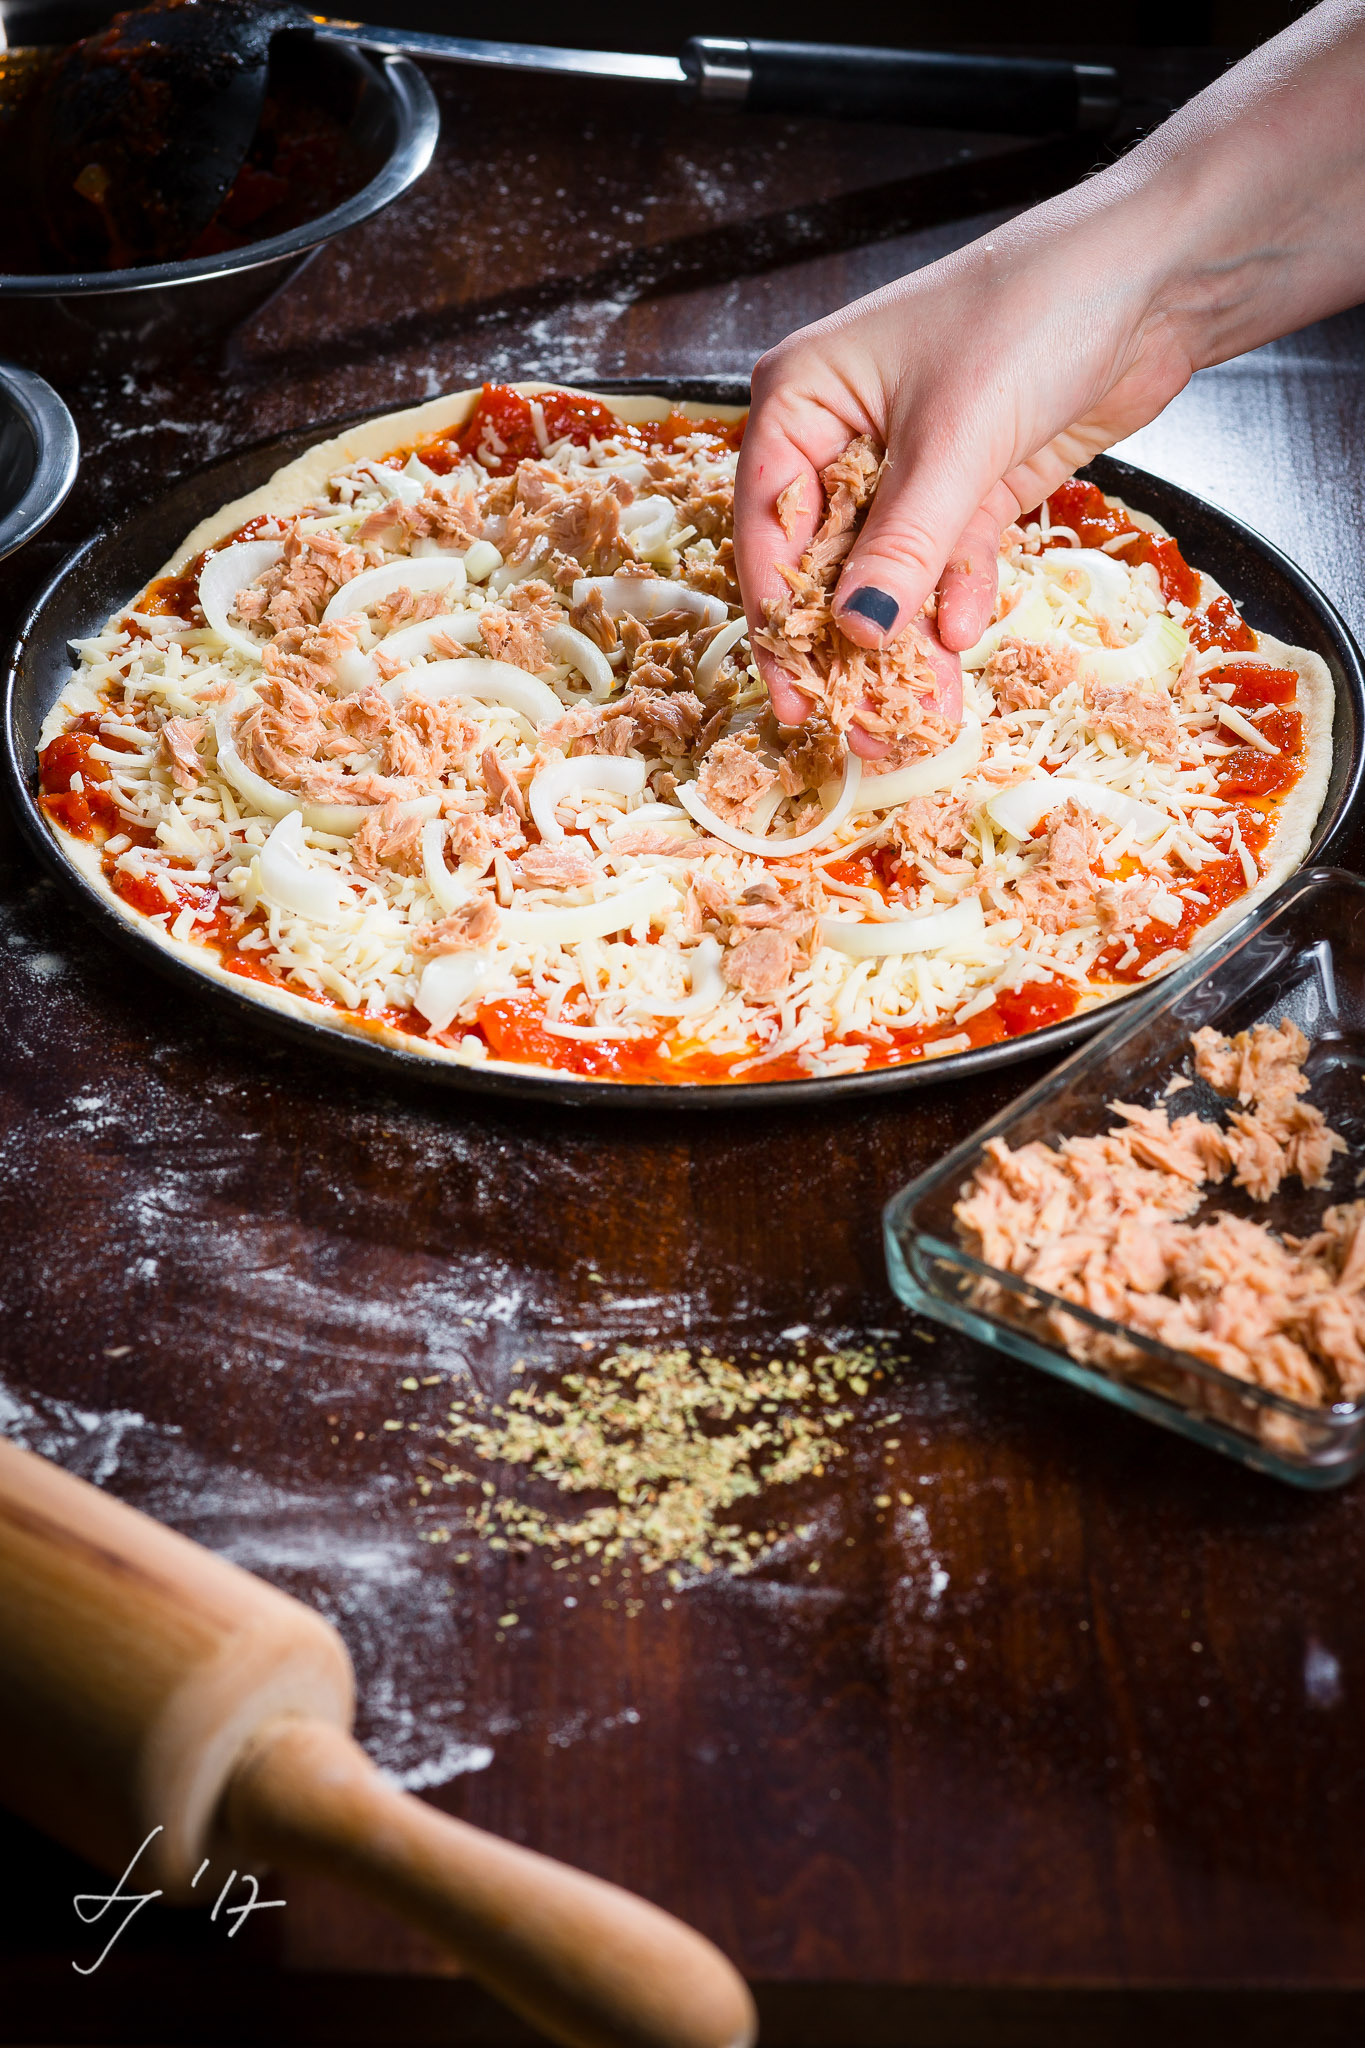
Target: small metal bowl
{"points": [[39, 455], [76, 321]]}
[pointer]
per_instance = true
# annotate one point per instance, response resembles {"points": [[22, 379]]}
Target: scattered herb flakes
{"points": [[669, 1441]]}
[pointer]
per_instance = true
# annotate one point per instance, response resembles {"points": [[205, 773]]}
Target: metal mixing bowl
{"points": [[67, 324], [39, 454]]}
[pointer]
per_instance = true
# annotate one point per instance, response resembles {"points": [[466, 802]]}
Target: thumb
{"points": [[968, 586], [921, 506]]}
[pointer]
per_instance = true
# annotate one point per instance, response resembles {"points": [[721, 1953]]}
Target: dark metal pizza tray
{"points": [[103, 574]]}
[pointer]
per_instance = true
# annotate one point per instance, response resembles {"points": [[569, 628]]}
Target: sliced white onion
{"points": [[567, 644], [1161, 648], [1020, 809], [919, 778], [708, 668], [262, 796], [586, 771], [481, 560], [483, 682], [356, 671], [447, 983], [707, 986], [665, 816], [273, 802], [1031, 619], [651, 814], [371, 586], [512, 573], [344, 819], [223, 576], [289, 881], [445, 887], [770, 803], [1110, 582], [427, 547], [590, 920], [649, 522], [649, 597], [645, 512], [776, 849], [654, 543], [392, 482], [929, 933], [465, 481]]}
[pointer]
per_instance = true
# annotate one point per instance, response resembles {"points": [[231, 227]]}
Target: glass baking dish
{"points": [[1300, 955]]}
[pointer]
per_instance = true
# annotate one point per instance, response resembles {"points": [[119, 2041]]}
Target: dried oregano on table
{"points": [[669, 1442]]}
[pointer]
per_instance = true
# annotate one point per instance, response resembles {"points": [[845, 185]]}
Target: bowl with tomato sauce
{"points": [[101, 578], [342, 135]]}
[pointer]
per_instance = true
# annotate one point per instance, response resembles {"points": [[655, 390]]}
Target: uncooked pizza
{"points": [[452, 736]]}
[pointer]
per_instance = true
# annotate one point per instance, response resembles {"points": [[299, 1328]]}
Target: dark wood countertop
{"points": [[1058, 1757]]}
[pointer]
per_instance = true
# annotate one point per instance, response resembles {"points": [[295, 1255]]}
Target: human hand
{"points": [[988, 378]]}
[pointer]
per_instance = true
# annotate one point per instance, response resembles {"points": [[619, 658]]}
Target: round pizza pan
{"points": [[108, 570]]}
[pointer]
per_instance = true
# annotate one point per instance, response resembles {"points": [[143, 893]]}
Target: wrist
{"points": [[1247, 201], [1223, 272]]}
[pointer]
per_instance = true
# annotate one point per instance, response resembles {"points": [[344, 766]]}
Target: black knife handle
{"points": [[921, 88]]}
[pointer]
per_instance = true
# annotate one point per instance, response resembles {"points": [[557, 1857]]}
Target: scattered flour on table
{"points": [[86, 1441], [246, 1319], [1321, 1676], [929, 1577]]}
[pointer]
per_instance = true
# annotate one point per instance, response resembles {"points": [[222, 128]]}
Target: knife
{"points": [[918, 88]]}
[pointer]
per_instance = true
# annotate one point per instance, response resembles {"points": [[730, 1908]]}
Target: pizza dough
{"points": [[472, 760]]}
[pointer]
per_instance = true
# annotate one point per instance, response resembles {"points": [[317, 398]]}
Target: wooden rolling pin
{"points": [[145, 1682]]}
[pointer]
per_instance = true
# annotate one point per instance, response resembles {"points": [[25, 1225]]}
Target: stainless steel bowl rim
{"points": [[419, 123], [56, 451]]}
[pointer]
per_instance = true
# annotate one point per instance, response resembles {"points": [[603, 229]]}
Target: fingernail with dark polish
{"points": [[878, 605]]}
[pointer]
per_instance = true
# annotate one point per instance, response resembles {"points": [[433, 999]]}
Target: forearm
{"points": [[1243, 216], [991, 375]]}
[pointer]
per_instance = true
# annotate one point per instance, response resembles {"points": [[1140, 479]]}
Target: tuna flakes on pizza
{"points": [[451, 735]]}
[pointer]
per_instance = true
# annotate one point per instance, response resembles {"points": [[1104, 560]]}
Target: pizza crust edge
{"points": [[296, 482]]}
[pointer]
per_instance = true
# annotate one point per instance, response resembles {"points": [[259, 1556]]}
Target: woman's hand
{"points": [[988, 378], [992, 375]]}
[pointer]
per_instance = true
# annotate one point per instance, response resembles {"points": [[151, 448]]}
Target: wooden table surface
{"points": [[1064, 1751]]}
